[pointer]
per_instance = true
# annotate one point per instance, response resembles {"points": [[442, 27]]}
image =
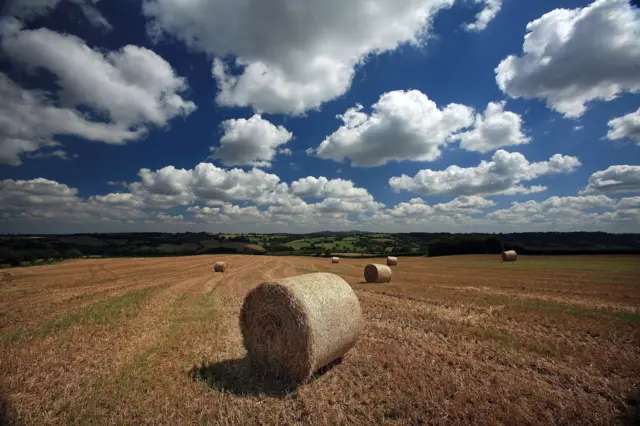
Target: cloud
{"points": [[578, 128], [118, 199], [169, 186], [322, 187], [43, 199], [403, 126], [566, 212], [58, 153], [133, 86], [29, 121], [486, 15], [418, 208], [28, 9], [51, 206], [615, 179], [290, 56], [501, 175], [575, 56], [498, 128], [250, 142], [132, 89], [35, 193], [229, 213], [625, 127]]}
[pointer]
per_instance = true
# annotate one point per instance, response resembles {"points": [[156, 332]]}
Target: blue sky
{"points": [[410, 115]]}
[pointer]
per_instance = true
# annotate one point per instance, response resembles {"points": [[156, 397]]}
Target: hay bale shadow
{"points": [[631, 410], [241, 377], [7, 415]]}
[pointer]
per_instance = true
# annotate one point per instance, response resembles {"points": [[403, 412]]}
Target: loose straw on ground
{"points": [[376, 273], [392, 261], [220, 266], [509, 256], [294, 326]]}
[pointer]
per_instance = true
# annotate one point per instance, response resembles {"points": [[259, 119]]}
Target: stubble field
{"points": [[456, 340]]}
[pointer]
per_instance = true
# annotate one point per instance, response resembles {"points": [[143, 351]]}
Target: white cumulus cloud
{"points": [[502, 175], [575, 56], [625, 127], [567, 213], [402, 126], [290, 55], [254, 141], [489, 11], [29, 121], [131, 89], [496, 129], [615, 179]]}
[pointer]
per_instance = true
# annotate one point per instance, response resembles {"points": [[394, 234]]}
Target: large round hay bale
{"points": [[376, 273], [220, 266], [335, 259], [509, 256], [392, 261], [296, 325]]}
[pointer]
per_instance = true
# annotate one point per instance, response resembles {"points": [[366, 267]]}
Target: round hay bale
{"points": [[376, 273], [392, 261], [335, 259], [293, 326], [5, 277], [509, 256], [220, 266]]}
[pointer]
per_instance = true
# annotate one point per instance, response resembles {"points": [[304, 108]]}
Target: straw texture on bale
{"points": [[5, 277], [335, 259], [296, 325], [220, 266], [392, 261], [376, 273], [509, 256]]}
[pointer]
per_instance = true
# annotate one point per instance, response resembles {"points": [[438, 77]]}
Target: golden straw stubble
{"points": [[293, 326]]}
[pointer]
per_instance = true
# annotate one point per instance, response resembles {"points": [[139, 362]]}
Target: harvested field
{"points": [[451, 340]]}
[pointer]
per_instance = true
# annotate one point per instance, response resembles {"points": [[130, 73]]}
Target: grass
{"points": [[109, 311], [133, 380]]}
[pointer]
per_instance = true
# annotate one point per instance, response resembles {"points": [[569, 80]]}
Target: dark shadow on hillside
{"points": [[631, 410], [241, 377]]}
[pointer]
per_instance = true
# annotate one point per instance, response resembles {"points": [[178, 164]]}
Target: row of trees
{"points": [[465, 244], [17, 257]]}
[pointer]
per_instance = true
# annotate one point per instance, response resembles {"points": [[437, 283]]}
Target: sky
{"points": [[301, 115]]}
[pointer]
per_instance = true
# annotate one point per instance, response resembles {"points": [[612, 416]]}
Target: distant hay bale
{"points": [[509, 256], [5, 277], [376, 273], [335, 259], [220, 266], [392, 261], [296, 325]]}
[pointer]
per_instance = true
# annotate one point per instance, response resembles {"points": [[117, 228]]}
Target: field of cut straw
{"points": [[455, 340]]}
